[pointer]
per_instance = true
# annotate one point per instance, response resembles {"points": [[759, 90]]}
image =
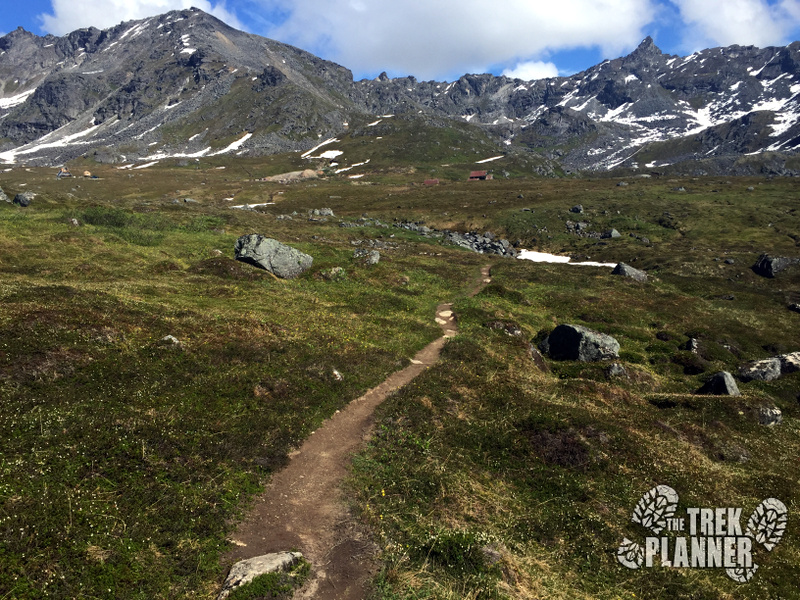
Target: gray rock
{"points": [[622, 184], [578, 208], [616, 370], [720, 384], [171, 342], [611, 233], [794, 308], [334, 274], [575, 342], [790, 363], [3, 197], [279, 259], [538, 359], [322, 212], [769, 266], [508, 327], [770, 415], [730, 261], [768, 369], [370, 257], [74, 222], [629, 271], [245, 571], [24, 199]]}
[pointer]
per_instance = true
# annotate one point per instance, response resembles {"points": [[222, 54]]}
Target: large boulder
{"points": [[720, 384], [629, 271], [575, 342], [245, 571], [769, 266], [279, 259], [3, 197]]}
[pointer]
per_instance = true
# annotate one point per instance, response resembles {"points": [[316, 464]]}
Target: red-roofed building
{"points": [[479, 176]]}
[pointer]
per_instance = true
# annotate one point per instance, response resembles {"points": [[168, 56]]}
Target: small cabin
{"points": [[479, 176]]}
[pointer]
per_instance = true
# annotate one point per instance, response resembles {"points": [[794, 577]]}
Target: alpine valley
{"points": [[184, 85]]}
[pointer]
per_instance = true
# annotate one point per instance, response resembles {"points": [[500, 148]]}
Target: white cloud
{"points": [[531, 70], [743, 22], [69, 15], [450, 37]]}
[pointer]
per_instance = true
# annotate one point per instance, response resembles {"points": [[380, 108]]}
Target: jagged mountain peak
{"points": [[647, 47]]}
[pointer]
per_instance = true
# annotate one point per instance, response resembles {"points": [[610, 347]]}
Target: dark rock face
{"points": [[720, 384], [628, 271], [575, 342], [769, 266], [266, 253]]}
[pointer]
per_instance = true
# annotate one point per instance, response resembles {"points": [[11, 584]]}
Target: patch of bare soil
{"points": [[302, 507]]}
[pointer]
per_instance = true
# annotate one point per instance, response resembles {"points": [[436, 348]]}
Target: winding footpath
{"points": [[302, 507]]}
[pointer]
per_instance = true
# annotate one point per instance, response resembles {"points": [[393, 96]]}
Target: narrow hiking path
{"points": [[302, 508]]}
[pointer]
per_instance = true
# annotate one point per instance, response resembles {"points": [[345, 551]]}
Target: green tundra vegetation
{"points": [[125, 460]]}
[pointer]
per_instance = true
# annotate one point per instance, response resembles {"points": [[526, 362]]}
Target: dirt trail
{"points": [[302, 507]]}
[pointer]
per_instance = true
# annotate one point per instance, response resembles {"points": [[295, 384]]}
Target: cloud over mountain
{"points": [[451, 37], [69, 15]]}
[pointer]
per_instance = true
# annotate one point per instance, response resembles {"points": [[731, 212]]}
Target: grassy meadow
{"points": [[125, 460]]}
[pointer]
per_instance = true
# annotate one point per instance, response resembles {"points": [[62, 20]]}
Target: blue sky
{"points": [[443, 39]]}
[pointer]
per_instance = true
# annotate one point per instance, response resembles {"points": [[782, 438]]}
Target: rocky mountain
{"points": [[186, 85]]}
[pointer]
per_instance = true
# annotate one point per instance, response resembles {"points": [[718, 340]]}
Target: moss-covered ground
{"points": [[124, 461]]}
